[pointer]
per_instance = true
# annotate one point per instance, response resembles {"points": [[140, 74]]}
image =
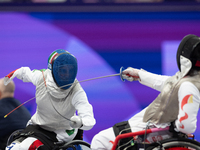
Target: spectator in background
{"points": [[17, 120]]}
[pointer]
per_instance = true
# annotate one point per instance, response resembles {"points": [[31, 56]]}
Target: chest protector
{"points": [[165, 107], [55, 102]]}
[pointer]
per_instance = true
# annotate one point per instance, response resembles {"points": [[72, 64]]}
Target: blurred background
{"points": [[104, 35]]}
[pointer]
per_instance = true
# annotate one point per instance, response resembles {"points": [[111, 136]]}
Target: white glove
{"points": [[75, 122], [10, 76], [131, 74]]}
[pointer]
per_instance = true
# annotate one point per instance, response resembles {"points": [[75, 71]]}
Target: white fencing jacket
{"points": [[54, 105]]}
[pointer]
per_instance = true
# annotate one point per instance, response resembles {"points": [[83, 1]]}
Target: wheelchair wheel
{"points": [[175, 144], [10, 138], [75, 145]]}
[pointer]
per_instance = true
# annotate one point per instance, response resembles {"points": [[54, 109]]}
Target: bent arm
{"points": [[189, 101], [85, 110]]}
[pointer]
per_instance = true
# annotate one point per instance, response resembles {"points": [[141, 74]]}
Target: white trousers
{"points": [[29, 143], [104, 140]]}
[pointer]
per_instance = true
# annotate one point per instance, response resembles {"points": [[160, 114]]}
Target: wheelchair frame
{"points": [[72, 143], [171, 142], [60, 145]]}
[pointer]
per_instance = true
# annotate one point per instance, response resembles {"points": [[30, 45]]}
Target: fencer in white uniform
{"points": [[62, 104], [177, 103]]}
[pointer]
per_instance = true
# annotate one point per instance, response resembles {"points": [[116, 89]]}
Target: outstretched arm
{"points": [[146, 78], [24, 74]]}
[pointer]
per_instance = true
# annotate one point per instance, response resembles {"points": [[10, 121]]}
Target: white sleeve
{"points": [[84, 109], [152, 80], [189, 100], [24, 74]]}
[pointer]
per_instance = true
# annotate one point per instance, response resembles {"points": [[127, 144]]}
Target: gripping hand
{"points": [[76, 122], [130, 74]]}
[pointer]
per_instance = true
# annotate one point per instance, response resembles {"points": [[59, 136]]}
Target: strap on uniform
{"points": [[119, 129]]}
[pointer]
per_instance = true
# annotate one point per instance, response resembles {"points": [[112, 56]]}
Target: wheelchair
{"points": [[75, 145], [178, 141], [72, 145]]}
